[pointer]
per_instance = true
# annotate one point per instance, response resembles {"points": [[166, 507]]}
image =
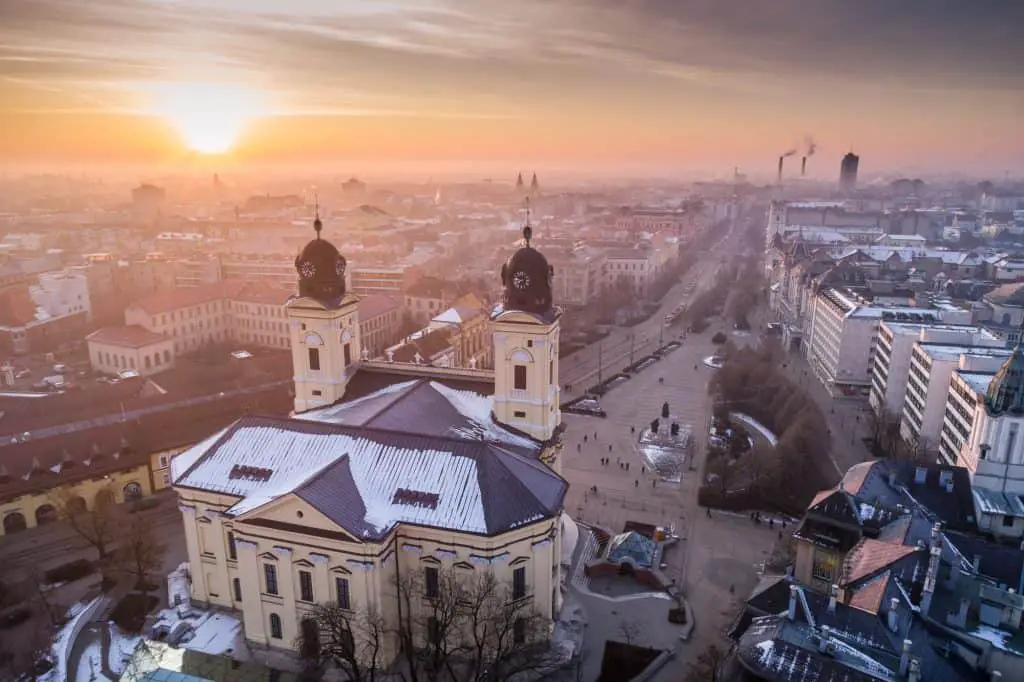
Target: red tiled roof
{"points": [[870, 556], [896, 531], [855, 477], [822, 495], [132, 336], [375, 305], [176, 299], [869, 596]]}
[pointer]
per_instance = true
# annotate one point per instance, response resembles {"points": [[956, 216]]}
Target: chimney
{"points": [[905, 657], [781, 159], [823, 644], [915, 671], [892, 479], [803, 166], [893, 617], [792, 601], [832, 598]]}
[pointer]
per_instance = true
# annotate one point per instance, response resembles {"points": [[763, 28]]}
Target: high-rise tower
{"points": [[848, 172]]}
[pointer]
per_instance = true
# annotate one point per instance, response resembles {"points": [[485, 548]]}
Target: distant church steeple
{"points": [[519, 182], [534, 185]]}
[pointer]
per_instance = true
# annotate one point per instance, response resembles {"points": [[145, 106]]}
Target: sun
{"points": [[210, 117]]}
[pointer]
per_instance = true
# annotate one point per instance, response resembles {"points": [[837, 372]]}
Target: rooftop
{"points": [[376, 305], [132, 336], [418, 452]]}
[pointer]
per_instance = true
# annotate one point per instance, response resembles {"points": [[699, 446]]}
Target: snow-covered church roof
{"points": [[417, 452]]}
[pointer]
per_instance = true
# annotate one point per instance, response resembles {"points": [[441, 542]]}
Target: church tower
{"points": [[324, 325], [526, 326]]}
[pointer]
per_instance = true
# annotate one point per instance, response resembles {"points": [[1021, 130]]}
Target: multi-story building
{"points": [[426, 298], [928, 382], [380, 322], [192, 317], [890, 357], [256, 316], [632, 268], [581, 275], [341, 503], [368, 280], [467, 327], [983, 429], [26, 327], [842, 331], [63, 293], [653, 220]]}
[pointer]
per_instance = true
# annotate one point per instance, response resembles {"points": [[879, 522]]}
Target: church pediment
{"points": [[290, 514]]}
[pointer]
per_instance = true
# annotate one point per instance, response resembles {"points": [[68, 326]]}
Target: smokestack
{"points": [[803, 166], [781, 159]]}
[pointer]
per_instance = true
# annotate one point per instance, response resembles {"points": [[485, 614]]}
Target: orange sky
{"points": [[667, 82]]}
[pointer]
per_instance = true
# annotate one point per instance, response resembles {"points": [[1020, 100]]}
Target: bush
{"points": [[70, 571], [130, 612], [14, 618], [719, 337]]}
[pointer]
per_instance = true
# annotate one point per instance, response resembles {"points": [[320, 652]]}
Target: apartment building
{"points": [[581, 274], [468, 331], [842, 332], [256, 316], [927, 386], [652, 220], [192, 317], [63, 293], [428, 297], [630, 267], [890, 356], [368, 280]]}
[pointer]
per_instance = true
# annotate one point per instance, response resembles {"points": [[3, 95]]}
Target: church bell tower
{"points": [[324, 325], [526, 328]]}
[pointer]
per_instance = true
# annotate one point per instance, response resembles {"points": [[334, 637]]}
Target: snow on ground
{"points": [[122, 646], [90, 665], [177, 585], [61, 641], [210, 632]]}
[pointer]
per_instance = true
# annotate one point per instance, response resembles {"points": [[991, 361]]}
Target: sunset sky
{"points": [[906, 83]]}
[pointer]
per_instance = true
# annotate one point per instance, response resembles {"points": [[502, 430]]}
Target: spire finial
{"points": [[317, 225], [527, 229]]}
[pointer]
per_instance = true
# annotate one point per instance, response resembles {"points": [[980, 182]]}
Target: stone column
{"points": [[287, 577], [321, 580], [250, 574], [197, 586]]}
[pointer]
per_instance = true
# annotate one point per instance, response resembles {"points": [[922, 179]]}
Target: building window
{"points": [[519, 631], [232, 550], [433, 630], [433, 589], [348, 355], [167, 356], [236, 584], [519, 377], [341, 585], [519, 583], [314, 359], [1008, 521], [519, 414], [318, 392], [270, 573], [824, 566], [305, 586], [551, 372], [275, 626]]}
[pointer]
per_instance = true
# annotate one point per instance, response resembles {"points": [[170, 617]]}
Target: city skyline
{"points": [[653, 85]]}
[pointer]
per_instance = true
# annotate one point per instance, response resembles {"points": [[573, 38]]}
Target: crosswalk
{"points": [[580, 578]]}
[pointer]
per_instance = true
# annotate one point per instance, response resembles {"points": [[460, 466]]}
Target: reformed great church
{"points": [[384, 469]]}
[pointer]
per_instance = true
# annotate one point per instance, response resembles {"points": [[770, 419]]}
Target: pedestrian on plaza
{"points": [[609, 447], [632, 429], [584, 438], [708, 510], [771, 523], [595, 435], [643, 470], [577, 447], [654, 483], [627, 466], [636, 483]]}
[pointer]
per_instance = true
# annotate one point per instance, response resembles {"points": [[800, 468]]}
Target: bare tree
{"points": [[96, 526], [705, 668], [140, 554], [351, 640], [469, 629], [44, 595]]}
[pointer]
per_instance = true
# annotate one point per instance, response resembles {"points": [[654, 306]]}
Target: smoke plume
{"points": [[791, 152], [811, 145]]}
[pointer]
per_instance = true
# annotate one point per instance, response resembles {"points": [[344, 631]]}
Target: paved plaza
{"points": [[717, 558]]}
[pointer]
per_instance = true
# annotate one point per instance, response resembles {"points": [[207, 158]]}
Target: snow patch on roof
{"points": [[354, 411], [477, 409], [185, 460]]}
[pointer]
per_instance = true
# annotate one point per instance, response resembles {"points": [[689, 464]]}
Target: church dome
{"points": [[321, 269], [526, 278]]}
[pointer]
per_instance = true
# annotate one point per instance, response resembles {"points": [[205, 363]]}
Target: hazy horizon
{"points": [[478, 87]]}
